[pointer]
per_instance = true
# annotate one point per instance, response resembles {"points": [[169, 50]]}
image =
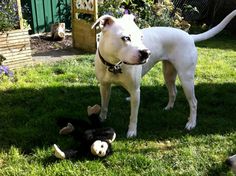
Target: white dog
{"points": [[123, 58], [231, 162]]}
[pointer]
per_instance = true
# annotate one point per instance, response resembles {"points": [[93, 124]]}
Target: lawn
{"points": [[32, 101]]}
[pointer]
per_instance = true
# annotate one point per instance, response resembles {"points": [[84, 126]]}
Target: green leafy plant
{"points": [[8, 15], [147, 12], [9, 18]]}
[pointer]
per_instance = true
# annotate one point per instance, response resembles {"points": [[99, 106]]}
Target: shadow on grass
{"points": [[59, 53], [28, 116]]}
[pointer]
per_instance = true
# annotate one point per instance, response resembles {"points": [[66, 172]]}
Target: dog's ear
{"points": [[104, 21], [130, 17]]}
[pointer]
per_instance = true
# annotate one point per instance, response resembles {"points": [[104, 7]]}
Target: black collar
{"points": [[111, 67]]}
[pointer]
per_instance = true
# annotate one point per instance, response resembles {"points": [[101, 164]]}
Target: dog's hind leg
{"points": [[187, 81], [170, 74], [105, 91]]}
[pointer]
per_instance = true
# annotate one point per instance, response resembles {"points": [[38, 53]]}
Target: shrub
{"points": [[8, 15], [147, 12]]}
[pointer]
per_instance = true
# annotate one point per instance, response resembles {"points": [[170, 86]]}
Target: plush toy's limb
{"points": [[67, 129], [105, 134], [58, 153], [95, 109], [77, 129], [112, 138], [80, 124], [93, 115], [64, 154]]}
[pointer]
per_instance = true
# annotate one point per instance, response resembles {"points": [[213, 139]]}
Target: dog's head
{"points": [[122, 40], [231, 162]]}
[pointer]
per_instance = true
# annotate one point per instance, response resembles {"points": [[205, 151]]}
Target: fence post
{"points": [[20, 14]]}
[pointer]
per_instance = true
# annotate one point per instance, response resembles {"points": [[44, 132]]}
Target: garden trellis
{"points": [[84, 14]]}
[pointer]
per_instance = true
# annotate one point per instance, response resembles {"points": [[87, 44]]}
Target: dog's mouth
{"points": [[140, 63]]}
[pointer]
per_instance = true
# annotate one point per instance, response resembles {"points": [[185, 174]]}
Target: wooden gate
{"points": [[84, 14]]}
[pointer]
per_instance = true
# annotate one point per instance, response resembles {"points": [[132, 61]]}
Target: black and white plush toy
{"points": [[94, 140]]}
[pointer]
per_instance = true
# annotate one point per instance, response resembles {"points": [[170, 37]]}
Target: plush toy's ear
{"points": [[104, 21]]}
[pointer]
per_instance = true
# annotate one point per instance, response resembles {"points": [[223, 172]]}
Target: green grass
{"points": [[31, 103]]}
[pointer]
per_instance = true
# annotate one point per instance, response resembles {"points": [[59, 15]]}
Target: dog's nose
{"points": [[145, 53], [228, 162]]}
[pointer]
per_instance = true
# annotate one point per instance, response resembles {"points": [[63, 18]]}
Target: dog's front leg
{"points": [[134, 102], [105, 91]]}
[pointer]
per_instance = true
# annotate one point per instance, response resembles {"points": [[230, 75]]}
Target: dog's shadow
{"points": [[33, 121], [216, 111]]}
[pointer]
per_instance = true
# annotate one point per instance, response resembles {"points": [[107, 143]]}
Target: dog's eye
{"points": [[126, 38]]}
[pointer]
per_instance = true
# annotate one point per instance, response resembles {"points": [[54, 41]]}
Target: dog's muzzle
{"points": [[143, 57], [228, 162]]}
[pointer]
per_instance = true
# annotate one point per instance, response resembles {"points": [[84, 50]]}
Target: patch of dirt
{"points": [[41, 43], [44, 49]]}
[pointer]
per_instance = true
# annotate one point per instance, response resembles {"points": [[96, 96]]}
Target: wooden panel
{"points": [[15, 47], [83, 36]]}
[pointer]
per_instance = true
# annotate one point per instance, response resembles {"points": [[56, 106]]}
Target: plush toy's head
{"points": [[100, 148]]}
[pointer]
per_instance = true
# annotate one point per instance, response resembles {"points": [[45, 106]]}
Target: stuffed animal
{"points": [[94, 139]]}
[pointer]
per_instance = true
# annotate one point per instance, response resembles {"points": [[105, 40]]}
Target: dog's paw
{"points": [[190, 125], [169, 106], [127, 98], [131, 133], [102, 117]]}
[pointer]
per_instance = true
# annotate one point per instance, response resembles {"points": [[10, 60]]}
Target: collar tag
{"points": [[115, 69]]}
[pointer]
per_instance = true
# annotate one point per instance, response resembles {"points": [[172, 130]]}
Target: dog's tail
{"points": [[215, 30]]}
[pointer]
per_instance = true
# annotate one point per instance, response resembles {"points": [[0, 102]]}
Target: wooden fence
{"points": [[43, 13]]}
